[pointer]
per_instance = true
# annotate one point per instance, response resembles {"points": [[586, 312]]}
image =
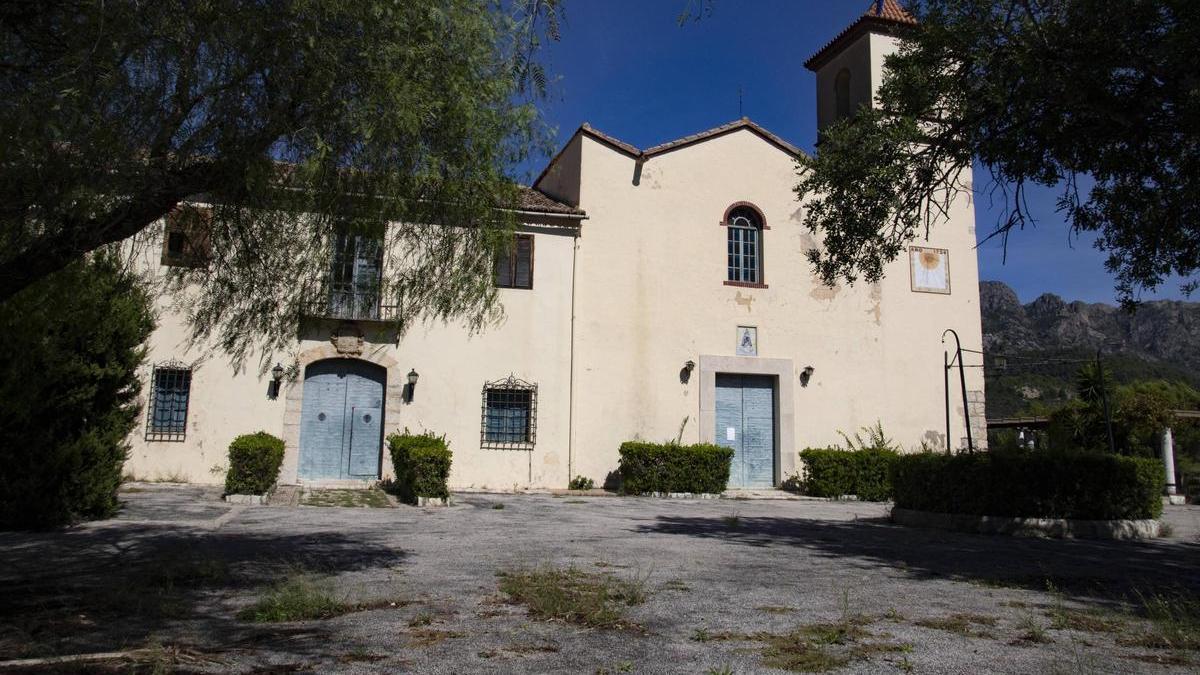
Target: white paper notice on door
{"points": [[730, 434]]}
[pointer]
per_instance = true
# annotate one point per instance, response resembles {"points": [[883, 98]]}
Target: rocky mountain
{"points": [[1045, 339]]}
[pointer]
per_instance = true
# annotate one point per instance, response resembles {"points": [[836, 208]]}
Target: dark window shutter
{"points": [[524, 263]]}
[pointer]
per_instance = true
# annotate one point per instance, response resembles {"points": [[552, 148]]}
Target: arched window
{"points": [[744, 247], [841, 87]]}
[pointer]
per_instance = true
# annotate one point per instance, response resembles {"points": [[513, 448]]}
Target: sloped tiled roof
{"points": [[639, 154], [885, 16], [743, 123], [537, 201]]}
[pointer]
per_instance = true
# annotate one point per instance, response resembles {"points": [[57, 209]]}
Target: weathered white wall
{"points": [[226, 400], [651, 296]]}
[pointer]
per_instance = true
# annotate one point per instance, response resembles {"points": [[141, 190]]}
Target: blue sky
{"points": [[626, 67]]}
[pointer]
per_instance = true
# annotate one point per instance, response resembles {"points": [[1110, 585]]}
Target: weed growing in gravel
{"points": [[498, 506], [297, 598], [1174, 619], [1032, 631], [303, 597], [570, 594], [420, 620], [732, 521], [816, 647], [776, 609]]}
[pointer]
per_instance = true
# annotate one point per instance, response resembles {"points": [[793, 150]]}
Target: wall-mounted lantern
{"points": [[276, 381], [806, 375], [685, 373], [412, 384]]}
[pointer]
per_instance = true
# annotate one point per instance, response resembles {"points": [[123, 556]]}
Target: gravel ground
{"points": [[174, 568]]}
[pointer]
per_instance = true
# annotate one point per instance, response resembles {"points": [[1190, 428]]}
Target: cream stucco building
{"points": [[651, 290]]}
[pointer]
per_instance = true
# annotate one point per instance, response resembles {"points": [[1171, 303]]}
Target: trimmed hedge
{"points": [[254, 461], [669, 467], [422, 465], [833, 472], [1076, 485]]}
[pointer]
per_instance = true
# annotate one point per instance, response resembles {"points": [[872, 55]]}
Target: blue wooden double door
{"points": [[746, 422], [341, 420]]}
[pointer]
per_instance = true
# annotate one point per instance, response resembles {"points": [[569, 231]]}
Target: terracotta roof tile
{"points": [[743, 123], [537, 201], [883, 15]]}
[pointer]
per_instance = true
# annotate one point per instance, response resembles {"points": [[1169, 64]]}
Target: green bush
{"points": [[670, 467], [833, 472], [1077, 484], [70, 350], [422, 465], [581, 483], [254, 461]]}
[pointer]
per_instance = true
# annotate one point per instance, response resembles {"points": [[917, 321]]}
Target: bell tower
{"points": [[850, 68]]}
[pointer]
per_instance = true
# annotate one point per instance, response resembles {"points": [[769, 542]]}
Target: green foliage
{"points": [[422, 465], [70, 349], [834, 472], [1037, 94], [1035, 484], [254, 461], [284, 115], [581, 483], [1139, 414], [668, 467], [297, 598]]}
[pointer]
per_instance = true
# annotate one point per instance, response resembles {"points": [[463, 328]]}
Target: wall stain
{"points": [[876, 303], [744, 301]]}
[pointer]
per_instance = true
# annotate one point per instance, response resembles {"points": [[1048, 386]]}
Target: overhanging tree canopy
{"points": [[293, 119], [1037, 92]]}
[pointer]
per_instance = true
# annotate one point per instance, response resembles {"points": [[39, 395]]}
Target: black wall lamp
{"points": [[276, 381], [685, 373], [412, 384], [806, 375]]}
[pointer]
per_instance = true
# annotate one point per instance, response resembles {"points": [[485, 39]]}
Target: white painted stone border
{"points": [[246, 499], [1058, 528]]}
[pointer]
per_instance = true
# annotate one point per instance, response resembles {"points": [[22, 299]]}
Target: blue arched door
{"points": [[341, 420]]}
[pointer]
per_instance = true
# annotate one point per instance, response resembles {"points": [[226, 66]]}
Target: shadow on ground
{"points": [[105, 589], [1084, 569]]}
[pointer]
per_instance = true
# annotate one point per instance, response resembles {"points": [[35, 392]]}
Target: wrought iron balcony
{"points": [[352, 305]]}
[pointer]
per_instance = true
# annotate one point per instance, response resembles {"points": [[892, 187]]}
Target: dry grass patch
{"points": [[428, 637], [960, 623], [816, 647], [573, 595], [776, 609]]}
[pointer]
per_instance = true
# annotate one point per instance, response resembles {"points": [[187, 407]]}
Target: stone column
{"points": [[1168, 456]]}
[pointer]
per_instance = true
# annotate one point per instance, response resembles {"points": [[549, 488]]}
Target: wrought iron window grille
{"points": [[509, 414], [170, 393]]}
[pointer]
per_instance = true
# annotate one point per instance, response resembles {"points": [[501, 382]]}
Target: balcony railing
{"points": [[352, 306]]}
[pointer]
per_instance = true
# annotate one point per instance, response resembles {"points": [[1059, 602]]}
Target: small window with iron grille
{"points": [[515, 270], [170, 389], [509, 414]]}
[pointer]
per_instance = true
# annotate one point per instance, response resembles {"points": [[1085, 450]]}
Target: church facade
{"points": [[652, 293]]}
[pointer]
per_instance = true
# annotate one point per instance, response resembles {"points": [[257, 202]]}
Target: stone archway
{"points": [[294, 398]]}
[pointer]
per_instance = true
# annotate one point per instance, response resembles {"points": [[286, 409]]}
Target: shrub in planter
{"points": [[1081, 485], [670, 467], [422, 465], [834, 472], [254, 461]]}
